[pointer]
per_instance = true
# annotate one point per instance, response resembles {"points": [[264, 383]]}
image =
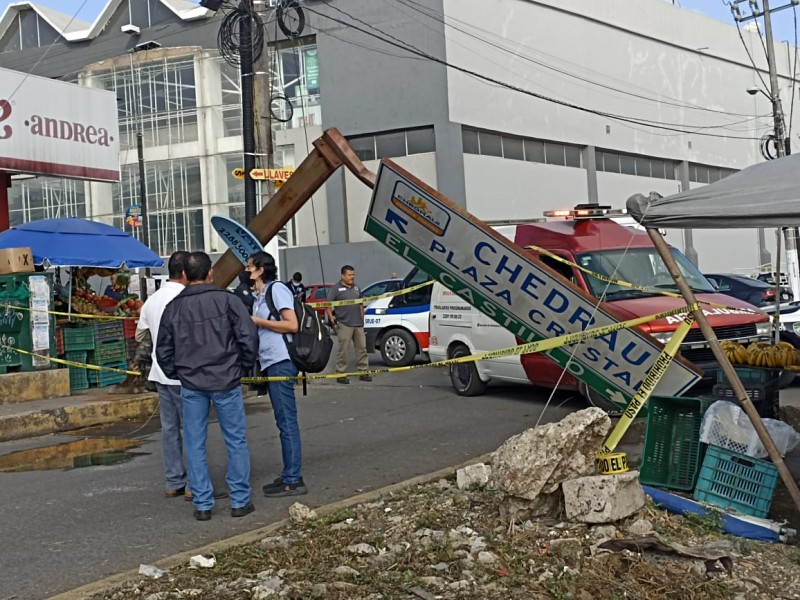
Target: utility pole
{"points": [[248, 125], [142, 186], [782, 146], [264, 134]]}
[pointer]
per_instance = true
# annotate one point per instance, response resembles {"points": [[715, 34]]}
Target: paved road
{"points": [[65, 528]]}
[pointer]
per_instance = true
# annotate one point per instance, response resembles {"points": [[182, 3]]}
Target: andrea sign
{"points": [[502, 281], [75, 136]]}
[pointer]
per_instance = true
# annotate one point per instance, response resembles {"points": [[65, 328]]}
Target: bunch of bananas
{"points": [[761, 354], [734, 351]]}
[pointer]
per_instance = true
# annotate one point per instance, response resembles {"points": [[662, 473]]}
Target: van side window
{"points": [[418, 297], [559, 267]]}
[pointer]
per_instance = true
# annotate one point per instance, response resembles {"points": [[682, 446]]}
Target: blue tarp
{"points": [[79, 243]]}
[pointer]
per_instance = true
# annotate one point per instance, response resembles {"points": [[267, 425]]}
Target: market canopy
{"points": [[79, 243], [764, 195]]}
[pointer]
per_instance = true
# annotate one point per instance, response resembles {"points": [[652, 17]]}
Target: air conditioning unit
{"points": [[130, 29]]}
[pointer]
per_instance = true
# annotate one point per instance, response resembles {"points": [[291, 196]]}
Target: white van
{"points": [[461, 329], [397, 326]]}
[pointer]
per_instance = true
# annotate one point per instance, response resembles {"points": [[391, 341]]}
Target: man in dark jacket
{"points": [[206, 340], [244, 291]]}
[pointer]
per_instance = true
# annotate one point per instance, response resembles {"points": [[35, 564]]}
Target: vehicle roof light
{"points": [[584, 211]]}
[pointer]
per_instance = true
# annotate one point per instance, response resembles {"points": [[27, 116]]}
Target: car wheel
{"points": [[398, 348], [464, 376], [594, 399]]}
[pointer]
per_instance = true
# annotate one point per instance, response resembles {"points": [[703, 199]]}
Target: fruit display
{"points": [[761, 354], [129, 307]]}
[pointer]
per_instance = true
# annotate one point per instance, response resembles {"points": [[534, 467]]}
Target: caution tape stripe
{"points": [[529, 348], [649, 384], [621, 282], [368, 299], [72, 314], [69, 363]]}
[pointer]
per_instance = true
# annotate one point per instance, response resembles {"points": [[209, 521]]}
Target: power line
{"points": [[678, 128]]}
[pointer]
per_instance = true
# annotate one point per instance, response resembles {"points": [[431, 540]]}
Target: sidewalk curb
{"points": [[182, 558], [55, 420]]}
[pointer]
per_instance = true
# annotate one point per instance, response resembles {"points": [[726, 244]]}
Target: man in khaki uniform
{"points": [[349, 323]]}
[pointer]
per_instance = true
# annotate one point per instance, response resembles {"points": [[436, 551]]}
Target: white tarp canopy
{"points": [[764, 195]]}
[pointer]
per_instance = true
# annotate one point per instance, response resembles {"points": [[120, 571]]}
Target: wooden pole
{"points": [[686, 291], [331, 151]]}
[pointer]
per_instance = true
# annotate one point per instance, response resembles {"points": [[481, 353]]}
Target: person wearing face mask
{"points": [[273, 314]]}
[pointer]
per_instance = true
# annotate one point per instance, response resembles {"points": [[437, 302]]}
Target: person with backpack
{"points": [[274, 315]]}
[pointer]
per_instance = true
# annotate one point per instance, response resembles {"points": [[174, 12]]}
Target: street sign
{"points": [[272, 174], [502, 281], [238, 173], [238, 238]]}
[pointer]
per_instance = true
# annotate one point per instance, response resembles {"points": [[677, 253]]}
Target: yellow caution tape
{"points": [[613, 463], [654, 375], [621, 282], [367, 300], [72, 314], [529, 348], [70, 363]]}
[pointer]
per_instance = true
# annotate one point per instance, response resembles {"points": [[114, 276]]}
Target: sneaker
{"points": [[277, 484], [342, 380], [286, 489], [241, 511], [365, 377]]}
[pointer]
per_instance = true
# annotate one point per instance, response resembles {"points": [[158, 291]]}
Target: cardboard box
{"points": [[16, 260]]}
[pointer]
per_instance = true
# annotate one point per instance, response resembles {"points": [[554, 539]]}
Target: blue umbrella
{"points": [[79, 243]]}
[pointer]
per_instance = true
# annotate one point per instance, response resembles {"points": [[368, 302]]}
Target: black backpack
{"points": [[310, 348]]}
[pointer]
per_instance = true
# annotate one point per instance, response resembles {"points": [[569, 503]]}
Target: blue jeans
{"points": [[281, 394], [170, 411], [229, 407]]}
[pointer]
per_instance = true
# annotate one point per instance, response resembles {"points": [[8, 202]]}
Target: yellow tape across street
{"points": [[648, 385], [70, 363], [72, 314], [621, 282], [367, 300], [529, 348]]}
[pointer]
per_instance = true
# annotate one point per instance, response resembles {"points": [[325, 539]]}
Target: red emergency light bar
{"points": [[584, 211]]}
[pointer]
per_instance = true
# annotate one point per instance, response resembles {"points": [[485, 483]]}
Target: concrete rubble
{"points": [[603, 498], [473, 476], [529, 468]]}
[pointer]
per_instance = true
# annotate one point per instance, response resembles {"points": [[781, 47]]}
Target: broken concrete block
{"points": [[603, 498], [528, 468], [473, 476], [569, 550]]}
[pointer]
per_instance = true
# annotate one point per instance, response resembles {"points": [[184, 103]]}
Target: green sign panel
{"points": [[500, 280]]}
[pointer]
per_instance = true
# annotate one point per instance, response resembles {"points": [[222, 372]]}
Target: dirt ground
{"points": [[436, 541]]}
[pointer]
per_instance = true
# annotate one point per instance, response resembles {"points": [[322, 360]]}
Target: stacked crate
{"points": [[762, 387], [109, 351], [77, 341]]}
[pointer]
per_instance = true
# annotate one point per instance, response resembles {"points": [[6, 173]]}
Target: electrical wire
{"points": [[794, 73], [230, 30], [393, 41], [440, 18], [749, 55]]}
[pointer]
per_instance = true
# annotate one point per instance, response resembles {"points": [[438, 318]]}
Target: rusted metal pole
{"points": [[725, 365], [331, 151]]}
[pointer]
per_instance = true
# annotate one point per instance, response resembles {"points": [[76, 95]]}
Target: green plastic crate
{"points": [[751, 376], [104, 351], [78, 338], [108, 331], [104, 378], [672, 450], [77, 375], [732, 480]]}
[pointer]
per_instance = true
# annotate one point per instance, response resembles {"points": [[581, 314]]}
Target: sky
{"points": [[783, 23]]}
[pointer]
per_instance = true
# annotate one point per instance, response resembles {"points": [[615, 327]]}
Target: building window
{"points": [[707, 174], [157, 98], [491, 143], [634, 164], [46, 198], [392, 144]]}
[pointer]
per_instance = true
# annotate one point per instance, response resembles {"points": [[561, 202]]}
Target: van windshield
{"points": [[640, 266]]}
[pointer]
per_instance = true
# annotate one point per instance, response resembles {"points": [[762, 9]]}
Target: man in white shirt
{"points": [[169, 390]]}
